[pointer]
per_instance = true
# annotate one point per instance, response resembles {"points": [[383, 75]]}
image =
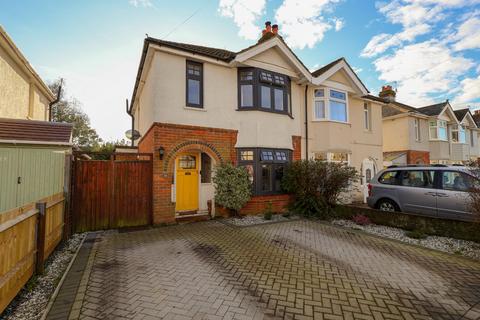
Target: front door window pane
{"points": [[266, 97], [278, 99], [246, 95], [187, 162], [193, 91], [338, 111]]}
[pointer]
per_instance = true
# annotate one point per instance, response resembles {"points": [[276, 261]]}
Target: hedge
{"points": [[431, 226]]}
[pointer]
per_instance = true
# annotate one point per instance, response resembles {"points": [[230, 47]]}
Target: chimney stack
{"points": [[387, 93]]}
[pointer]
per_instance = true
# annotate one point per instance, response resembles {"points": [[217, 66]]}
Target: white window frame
{"points": [[438, 125], [367, 117], [458, 129], [329, 156], [326, 101], [416, 126]]}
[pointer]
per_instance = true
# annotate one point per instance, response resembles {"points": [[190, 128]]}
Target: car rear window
{"points": [[388, 177]]}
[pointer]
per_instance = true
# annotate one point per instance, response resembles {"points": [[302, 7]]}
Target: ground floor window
{"points": [[265, 168], [339, 157]]}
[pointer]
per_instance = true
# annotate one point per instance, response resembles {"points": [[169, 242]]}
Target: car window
{"points": [[417, 178], [458, 181], [388, 177]]}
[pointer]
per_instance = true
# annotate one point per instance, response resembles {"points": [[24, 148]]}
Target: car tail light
{"points": [[370, 189]]}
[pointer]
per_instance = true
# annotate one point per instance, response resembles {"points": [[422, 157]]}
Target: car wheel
{"points": [[387, 205]]}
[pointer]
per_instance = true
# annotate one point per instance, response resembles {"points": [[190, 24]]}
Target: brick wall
{"points": [[418, 157], [218, 143], [258, 204], [174, 138]]}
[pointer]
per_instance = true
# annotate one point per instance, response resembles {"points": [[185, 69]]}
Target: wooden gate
{"points": [[109, 194]]}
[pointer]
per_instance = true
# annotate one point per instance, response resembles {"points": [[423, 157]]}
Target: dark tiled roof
{"points": [[476, 118], [460, 114], [374, 98], [404, 106], [220, 54], [433, 110], [37, 131], [326, 67]]}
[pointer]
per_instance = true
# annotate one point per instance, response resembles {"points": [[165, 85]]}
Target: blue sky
{"points": [[428, 49]]}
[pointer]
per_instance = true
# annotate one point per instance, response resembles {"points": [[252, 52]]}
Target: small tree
{"points": [[317, 185], [474, 191], [232, 187]]}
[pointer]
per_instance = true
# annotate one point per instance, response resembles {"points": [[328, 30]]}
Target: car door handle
{"points": [[430, 193], [442, 195]]}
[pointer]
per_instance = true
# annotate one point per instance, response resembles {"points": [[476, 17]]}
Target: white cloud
{"points": [[339, 24], [357, 70], [141, 3], [302, 22], [470, 88], [422, 69], [382, 42], [468, 35], [245, 14]]}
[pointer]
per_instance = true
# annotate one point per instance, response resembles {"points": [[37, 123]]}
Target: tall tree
{"points": [[70, 110]]}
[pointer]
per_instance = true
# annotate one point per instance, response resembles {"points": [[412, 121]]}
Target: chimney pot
{"points": [[387, 93], [275, 28]]}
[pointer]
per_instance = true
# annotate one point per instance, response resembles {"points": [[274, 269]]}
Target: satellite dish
{"points": [[132, 134]]}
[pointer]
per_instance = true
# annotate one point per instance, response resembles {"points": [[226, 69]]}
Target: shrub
{"points": [[286, 214], [268, 211], [416, 234], [232, 187], [317, 185], [361, 220]]}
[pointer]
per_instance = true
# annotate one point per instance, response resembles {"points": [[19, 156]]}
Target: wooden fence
{"points": [[108, 194], [28, 235]]}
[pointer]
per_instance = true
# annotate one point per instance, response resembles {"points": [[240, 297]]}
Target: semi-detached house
{"points": [[259, 108], [434, 134]]}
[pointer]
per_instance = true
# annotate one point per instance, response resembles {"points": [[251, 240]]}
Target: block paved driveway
{"points": [[295, 270]]}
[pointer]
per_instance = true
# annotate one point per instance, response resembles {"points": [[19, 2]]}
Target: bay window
{"points": [[330, 104], [265, 168], [438, 130], [338, 157], [264, 90], [458, 134]]}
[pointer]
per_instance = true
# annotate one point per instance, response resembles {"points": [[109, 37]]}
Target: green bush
{"points": [[232, 187], [317, 185], [416, 234], [268, 211]]}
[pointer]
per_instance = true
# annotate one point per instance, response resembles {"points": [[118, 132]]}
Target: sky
{"points": [[429, 50]]}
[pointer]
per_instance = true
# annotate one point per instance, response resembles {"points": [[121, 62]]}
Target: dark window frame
{"points": [[194, 77], [257, 168], [257, 84]]}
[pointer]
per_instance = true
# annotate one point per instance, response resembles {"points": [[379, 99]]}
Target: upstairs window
{"points": [[416, 124], [263, 90], [194, 84], [367, 120], [458, 134], [330, 104], [438, 130]]}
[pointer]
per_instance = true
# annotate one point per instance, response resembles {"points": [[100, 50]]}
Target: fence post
{"points": [[42, 208]]}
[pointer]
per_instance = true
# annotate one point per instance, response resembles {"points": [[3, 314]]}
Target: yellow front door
{"points": [[187, 182]]}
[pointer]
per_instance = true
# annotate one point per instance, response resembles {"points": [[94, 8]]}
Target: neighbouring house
{"points": [[434, 134], [260, 108], [23, 93]]}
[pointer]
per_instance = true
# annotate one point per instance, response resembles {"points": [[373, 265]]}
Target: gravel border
{"points": [[465, 248], [247, 221], [32, 300]]}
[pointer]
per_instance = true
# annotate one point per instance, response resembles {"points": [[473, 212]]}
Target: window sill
{"points": [[438, 140], [265, 110], [194, 108], [455, 142], [333, 121]]}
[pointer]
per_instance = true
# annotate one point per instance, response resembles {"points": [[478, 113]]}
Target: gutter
{"points": [[50, 105], [306, 123], [129, 112]]}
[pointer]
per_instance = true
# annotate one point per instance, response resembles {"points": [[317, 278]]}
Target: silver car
{"points": [[435, 191]]}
